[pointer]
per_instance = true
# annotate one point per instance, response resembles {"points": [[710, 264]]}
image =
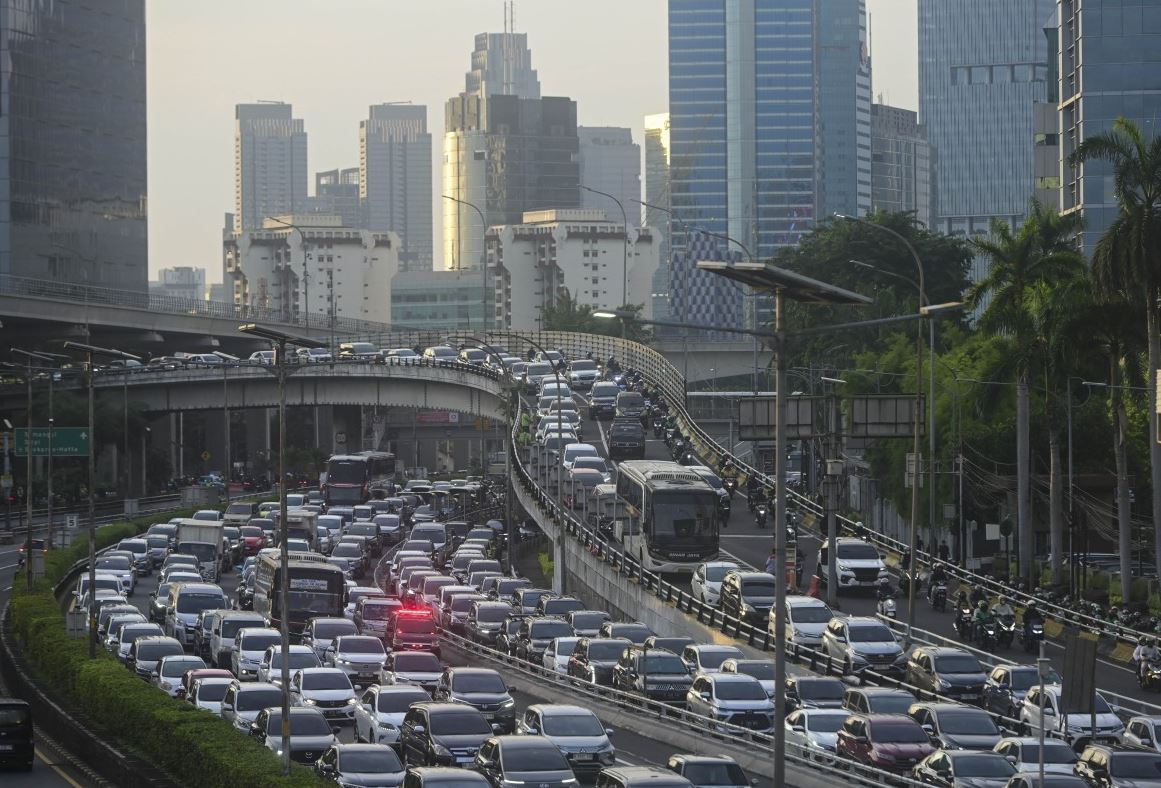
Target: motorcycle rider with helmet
{"points": [[937, 578], [1145, 653], [981, 618]]}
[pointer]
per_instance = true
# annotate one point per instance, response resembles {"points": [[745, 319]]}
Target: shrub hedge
{"points": [[196, 748]]}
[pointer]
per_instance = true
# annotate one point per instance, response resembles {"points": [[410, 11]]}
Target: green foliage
{"points": [[568, 315], [547, 567]]}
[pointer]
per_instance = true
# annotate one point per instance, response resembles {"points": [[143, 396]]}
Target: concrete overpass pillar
{"points": [[214, 441], [256, 426]]}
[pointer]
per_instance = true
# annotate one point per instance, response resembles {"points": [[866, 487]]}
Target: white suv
{"points": [[859, 564], [806, 620]]}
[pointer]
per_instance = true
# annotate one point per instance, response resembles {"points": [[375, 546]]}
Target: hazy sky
{"points": [[333, 58]]}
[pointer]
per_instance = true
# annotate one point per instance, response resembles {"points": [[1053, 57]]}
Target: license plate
{"points": [[584, 756], [366, 676], [489, 715], [969, 696], [7, 747]]}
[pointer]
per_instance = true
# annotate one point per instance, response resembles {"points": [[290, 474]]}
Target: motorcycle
{"points": [[1031, 635], [1149, 676], [659, 428], [986, 634], [730, 484], [688, 458], [963, 623], [937, 596], [677, 449], [761, 514], [886, 607], [724, 510], [1005, 630]]}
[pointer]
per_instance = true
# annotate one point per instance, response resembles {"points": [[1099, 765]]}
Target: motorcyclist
{"points": [[754, 491], [1003, 609], [978, 595], [938, 578], [1145, 653], [1032, 615], [981, 617], [727, 469]]}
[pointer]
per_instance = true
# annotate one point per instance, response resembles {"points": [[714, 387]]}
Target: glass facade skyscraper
{"points": [[72, 142], [1112, 70], [769, 105]]}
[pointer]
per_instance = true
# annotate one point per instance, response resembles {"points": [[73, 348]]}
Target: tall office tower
{"points": [[72, 151], [336, 193], [395, 179], [983, 65], [767, 132], [656, 213], [610, 162], [270, 175], [1112, 70], [901, 163], [503, 154]]}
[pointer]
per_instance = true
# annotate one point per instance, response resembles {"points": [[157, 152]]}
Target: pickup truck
{"points": [[205, 540]]}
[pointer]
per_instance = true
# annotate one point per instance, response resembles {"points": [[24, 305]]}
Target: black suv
{"points": [[1004, 690], [593, 659], [814, 692], [536, 633], [954, 726], [517, 760], [1112, 767], [658, 675], [626, 440], [483, 690], [442, 734], [950, 672], [748, 596]]}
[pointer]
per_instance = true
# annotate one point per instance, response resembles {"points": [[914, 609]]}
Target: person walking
{"points": [[772, 562]]}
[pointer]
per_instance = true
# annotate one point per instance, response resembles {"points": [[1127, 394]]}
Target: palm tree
{"points": [[1127, 258], [1022, 262]]}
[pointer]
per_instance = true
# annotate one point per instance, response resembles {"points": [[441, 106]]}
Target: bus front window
{"points": [[684, 518]]}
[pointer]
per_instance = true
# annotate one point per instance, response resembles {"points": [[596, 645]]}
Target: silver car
{"points": [[242, 702], [359, 657], [575, 730], [862, 643], [733, 698], [381, 709], [815, 731]]}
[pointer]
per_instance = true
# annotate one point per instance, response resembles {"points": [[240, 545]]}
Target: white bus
{"points": [[677, 514]]}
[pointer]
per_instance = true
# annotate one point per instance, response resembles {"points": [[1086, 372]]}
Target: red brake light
{"points": [[413, 614]]}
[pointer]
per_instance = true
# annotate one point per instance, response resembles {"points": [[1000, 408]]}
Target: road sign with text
{"points": [[66, 442]]}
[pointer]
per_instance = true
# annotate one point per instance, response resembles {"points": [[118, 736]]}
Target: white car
{"points": [[327, 689], [816, 731], [806, 620], [573, 451], [706, 584], [381, 710], [250, 643], [206, 694], [557, 654], [1072, 726], [1024, 753], [761, 669], [858, 563], [359, 657], [123, 568], [707, 659], [270, 670], [733, 698], [167, 675], [1143, 732]]}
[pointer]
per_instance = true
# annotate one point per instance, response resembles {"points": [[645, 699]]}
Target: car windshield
{"points": [[958, 663], [114, 563], [968, 724], [714, 574], [230, 626], [739, 690], [260, 641], [326, 680], [252, 700], [763, 671], [493, 614], [298, 660], [606, 649], [592, 463], [417, 663], [300, 725], [251, 532], [1102, 707], [203, 552], [810, 614], [362, 646], [589, 620], [213, 691], [157, 542], [871, 633], [546, 630], [239, 508], [463, 602], [583, 365], [196, 603], [460, 723], [898, 733], [1135, 765], [821, 690], [857, 551], [400, 702], [983, 765], [665, 663], [825, 723], [533, 759], [713, 658], [1054, 752], [176, 667], [379, 761], [572, 725], [715, 774], [890, 704], [1025, 679], [150, 652], [415, 626], [606, 390], [379, 611], [758, 586], [478, 682], [347, 550]]}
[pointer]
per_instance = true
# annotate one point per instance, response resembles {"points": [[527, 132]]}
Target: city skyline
{"points": [[191, 111]]}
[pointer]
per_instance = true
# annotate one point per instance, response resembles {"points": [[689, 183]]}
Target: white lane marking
{"points": [[740, 562], [9, 566]]}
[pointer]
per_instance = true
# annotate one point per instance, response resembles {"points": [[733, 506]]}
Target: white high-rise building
{"points": [[610, 162], [312, 265], [270, 171], [395, 179], [180, 282]]}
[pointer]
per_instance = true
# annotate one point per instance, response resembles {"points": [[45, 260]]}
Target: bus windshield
{"points": [[684, 518], [349, 471]]}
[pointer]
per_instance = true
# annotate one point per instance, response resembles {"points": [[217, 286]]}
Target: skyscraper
{"points": [[72, 151], [395, 178], [657, 195], [270, 174], [769, 104], [983, 65], [901, 163], [610, 162], [503, 153], [1112, 70]]}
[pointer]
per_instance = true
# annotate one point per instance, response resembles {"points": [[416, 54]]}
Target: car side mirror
{"points": [[800, 728], [704, 696], [418, 729], [497, 728], [928, 729], [336, 730]]}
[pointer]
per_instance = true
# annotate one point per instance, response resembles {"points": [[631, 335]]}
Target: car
{"points": [[706, 583], [708, 658], [313, 355], [129, 633], [327, 689], [703, 771], [858, 563], [574, 451], [374, 616], [526, 600], [207, 693], [440, 354], [815, 730], [1032, 780], [359, 657], [575, 731], [1006, 685], [170, 669], [421, 668], [761, 669], [123, 568], [593, 659], [954, 726], [109, 612], [361, 764], [582, 373], [733, 698], [415, 630], [457, 608], [633, 631], [401, 355], [484, 621], [270, 668], [482, 689], [888, 742], [224, 632], [310, 732], [603, 399], [964, 769], [630, 404], [806, 619], [509, 630], [359, 351], [1024, 754], [119, 621], [657, 675], [521, 760], [558, 653], [142, 561], [250, 643], [204, 629], [640, 777], [598, 464], [243, 701], [17, 731], [443, 734], [860, 643], [381, 709], [320, 632], [1073, 727], [558, 605], [536, 633], [674, 644], [819, 692], [146, 652], [948, 672], [877, 700], [1116, 767], [626, 440], [1143, 732], [186, 602], [748, 596]]}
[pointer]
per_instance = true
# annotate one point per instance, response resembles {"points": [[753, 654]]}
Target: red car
{"points": [[891, 742], [253, 539]]}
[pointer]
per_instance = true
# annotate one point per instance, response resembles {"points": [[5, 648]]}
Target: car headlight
{"points": [[747, 607], [387, 726], [442, 751], [165, 685], [508, 703], [943, 684], [843, 568], [352, 701], [882, 756], [309, 702]]}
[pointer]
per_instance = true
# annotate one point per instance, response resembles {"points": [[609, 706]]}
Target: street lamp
{"points": [[92, 351], [624, 245], [483, 255], [280, 341]]}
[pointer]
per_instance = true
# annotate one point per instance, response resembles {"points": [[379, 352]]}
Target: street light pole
{"points": [[483, 256], [624, 248]]}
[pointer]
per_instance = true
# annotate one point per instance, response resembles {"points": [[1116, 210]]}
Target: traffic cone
{"points": [[814, 589]]}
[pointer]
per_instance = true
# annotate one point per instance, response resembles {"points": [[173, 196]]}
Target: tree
{"points": [[1127, 258], [1023, 263], [567, 315]]}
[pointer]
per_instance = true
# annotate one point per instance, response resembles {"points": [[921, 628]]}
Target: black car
{"points": [[954, 768], [657, 675], [442, 734], [626, 440], [814, 692], [509, 630], [524, 760], [361, 764], [950, 672], [485, 620], [536, 633], [674, 644], [482, 689], [748, 596], [442, 777], [1113, 767], [16, 733], [593, 659], [954, 726], [1006, 684]]}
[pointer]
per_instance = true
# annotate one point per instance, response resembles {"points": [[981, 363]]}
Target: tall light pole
{"points": [[280, 341], [624, 245], [92, 351], [483, 255]]}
